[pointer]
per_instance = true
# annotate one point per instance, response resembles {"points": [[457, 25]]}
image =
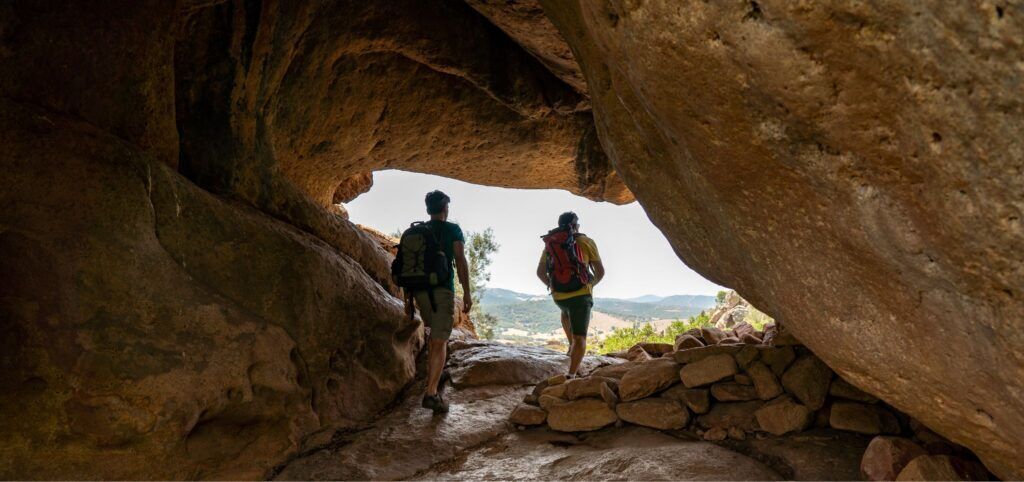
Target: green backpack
{"points": [[421, 264]]}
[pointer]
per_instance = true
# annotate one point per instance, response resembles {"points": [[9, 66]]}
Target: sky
{"points": [[637, 257]]}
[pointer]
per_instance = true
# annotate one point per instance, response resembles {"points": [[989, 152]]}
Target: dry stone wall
{"points": [[733, 391]]}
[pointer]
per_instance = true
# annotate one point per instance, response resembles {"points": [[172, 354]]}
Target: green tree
{"points": [[720, 297], [480, 248]]}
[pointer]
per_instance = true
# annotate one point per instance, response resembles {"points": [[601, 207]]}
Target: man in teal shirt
{"points": [[442, 318]]}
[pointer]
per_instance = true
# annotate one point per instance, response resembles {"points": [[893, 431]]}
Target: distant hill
{"points": [[538, 314], [646, 299]]}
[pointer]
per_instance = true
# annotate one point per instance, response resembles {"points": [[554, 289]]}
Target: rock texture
{"points": [[177, 301], [851, 168], [632, 453], [132, 332]]}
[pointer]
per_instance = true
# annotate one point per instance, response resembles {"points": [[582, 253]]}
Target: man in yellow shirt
{"points": [[570, 266]]}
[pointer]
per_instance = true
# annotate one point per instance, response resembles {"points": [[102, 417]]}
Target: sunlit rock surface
{"points": [[853, 169]]}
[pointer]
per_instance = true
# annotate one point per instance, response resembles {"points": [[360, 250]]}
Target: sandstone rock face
{"points": [[659, 413], [885, 457], [842, 389], [648, 378], [580, 415], [133, 333], [875, 142], [893, 173]]}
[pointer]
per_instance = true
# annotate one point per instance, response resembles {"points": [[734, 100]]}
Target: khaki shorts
{"points": [[441, 320]]}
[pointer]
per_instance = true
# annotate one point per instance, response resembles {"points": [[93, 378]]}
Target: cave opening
{"points": [[647, 284]]}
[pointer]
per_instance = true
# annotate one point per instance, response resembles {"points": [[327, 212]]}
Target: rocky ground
{"points": [[475, 440]]}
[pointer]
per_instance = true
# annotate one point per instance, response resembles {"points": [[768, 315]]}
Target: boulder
{"points": [[742, 379], [615, 371], [489, 363], [696, 354], [942, 467], [608, 395], [843, 389], [715, 434], [657, 349], [557, 391], [733, 392], [648, 378], [808, 378], [580, 415], [637, 354], [684, 342], [750, 339], [737, 433], [708, 370], [765, 382], [557, 379], [547, 401], [698, 400], [730, 340], [743, 328], [528, 415], [886, 456], [713, 335], [782, 416], [861, 418], [656, 412], [586, 387], [778, 359], [746, 355], [731, 414]]}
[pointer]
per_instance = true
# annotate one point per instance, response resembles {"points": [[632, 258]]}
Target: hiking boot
{"points": [[446, 378], [435, 403]]}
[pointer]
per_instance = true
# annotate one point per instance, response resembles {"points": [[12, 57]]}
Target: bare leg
{"points": [[567, 328], [438, 353], [576, 352]]}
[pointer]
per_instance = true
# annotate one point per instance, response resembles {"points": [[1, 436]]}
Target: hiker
{"points": [[423, 268], [570, 267]]}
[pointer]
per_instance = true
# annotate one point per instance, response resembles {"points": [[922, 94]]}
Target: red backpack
{"points": [[566, 269]]}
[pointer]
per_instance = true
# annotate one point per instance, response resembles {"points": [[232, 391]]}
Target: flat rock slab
{"points": [[411, 438], [629, 453], [488, 363]]}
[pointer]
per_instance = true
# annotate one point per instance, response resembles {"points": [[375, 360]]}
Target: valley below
{"points": [[528, 319]]}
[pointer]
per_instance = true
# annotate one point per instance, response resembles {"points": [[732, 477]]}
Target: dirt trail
{"points": [[475, 441]]}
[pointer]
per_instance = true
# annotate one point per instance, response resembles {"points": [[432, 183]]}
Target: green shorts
{"points": [[442, 319], [578, 309]]}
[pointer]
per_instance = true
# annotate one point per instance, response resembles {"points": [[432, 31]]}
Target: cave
{"points": [[179, 297]]}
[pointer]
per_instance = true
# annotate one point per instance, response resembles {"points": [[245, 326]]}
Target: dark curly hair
{"points": [[566, 219], [436, 201]]}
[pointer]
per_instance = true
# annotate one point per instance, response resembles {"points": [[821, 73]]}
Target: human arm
{"points": [[598, 268], [462, 267], [542, 272]]}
